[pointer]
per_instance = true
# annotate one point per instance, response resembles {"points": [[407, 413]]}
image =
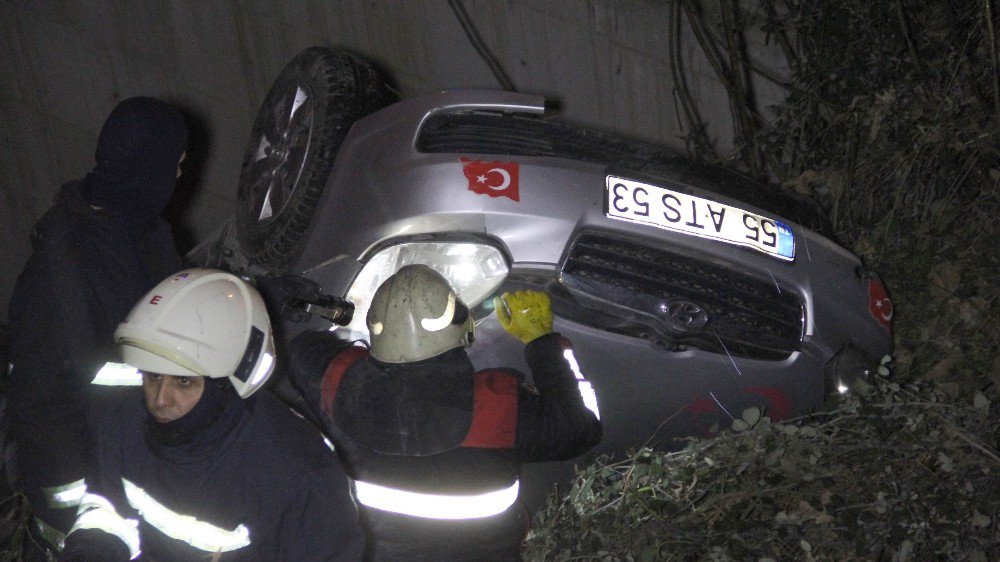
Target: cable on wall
{"points": [[477, 43]]}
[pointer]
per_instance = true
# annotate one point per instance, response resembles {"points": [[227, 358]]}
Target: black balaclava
{"points": [[217, 412], [137, 155]]}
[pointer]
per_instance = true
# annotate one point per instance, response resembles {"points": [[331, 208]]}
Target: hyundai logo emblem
{"points": [[686, 314]]}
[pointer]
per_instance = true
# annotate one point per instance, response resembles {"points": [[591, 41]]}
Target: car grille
{"points": [[746, 317]]}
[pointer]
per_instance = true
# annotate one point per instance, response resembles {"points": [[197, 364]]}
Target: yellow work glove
{"points": [[525, 315]]}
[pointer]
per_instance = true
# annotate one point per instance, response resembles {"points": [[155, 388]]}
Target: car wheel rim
{"points": [[277, 163]]}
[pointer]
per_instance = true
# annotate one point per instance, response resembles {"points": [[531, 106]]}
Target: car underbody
{"points": [[690, 293]]}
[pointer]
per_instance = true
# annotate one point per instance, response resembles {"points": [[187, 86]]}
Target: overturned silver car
{"points": [[690, 293]]}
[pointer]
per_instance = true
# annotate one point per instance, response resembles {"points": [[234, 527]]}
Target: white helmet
{"points": [[201, 322], [416, 314]]}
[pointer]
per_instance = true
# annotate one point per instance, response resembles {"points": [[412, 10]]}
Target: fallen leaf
{"points": [[905, 551], [981, 402], [941, 369], [945, 462], [980, 520], [945, 278], [751, 415], [825, 497]]}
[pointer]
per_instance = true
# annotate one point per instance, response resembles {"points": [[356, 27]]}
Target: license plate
{"points": [[652, 205]]}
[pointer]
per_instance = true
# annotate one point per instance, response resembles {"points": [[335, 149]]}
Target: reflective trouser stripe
{"points": [[96, 512], [67, 495], [118, 374], [435, 506], [51, 535], [185, 528], [583, 385]]}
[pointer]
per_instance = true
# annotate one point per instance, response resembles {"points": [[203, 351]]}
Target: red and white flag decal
{"points": [[879, 303], [496, 179]]}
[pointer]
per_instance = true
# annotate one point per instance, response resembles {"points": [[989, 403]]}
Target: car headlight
{"points": [[474, 270]]}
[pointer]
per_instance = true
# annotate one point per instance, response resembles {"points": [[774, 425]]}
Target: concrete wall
{"points": [[66, 64]]}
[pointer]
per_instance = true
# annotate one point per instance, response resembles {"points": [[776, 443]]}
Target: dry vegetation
{"points": [[903, 475], [891, 124]]}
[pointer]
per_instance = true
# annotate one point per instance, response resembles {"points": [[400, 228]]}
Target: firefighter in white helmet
{"points": [[199, 461], [433, 446]]}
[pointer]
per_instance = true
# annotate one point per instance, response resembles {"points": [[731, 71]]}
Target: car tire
{"points": [[298, 130]]}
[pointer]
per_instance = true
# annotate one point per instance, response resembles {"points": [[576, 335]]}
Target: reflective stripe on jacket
{"points": [[424, 440], [491, 425]]}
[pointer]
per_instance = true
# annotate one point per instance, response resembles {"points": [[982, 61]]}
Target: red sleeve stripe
{"points": [[494, 416], [334, 372]]}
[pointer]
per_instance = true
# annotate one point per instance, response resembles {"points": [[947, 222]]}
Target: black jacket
{"points": [[438, 427], [81, 281], [257, 468]]}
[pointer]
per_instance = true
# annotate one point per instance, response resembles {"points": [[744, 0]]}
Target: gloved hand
{"points": [[296, 299], [93, 545], [525, 315]]}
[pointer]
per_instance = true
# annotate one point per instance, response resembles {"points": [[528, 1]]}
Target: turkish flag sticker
{"points": [[879, 303], [496, 179]]}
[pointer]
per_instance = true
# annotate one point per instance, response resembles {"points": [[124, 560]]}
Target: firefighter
{"points": [[99, 247], [197, 464], [434, 447]]}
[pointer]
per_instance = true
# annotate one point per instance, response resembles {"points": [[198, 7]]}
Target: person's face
{"points": [[169, 397], [179, 162]]}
